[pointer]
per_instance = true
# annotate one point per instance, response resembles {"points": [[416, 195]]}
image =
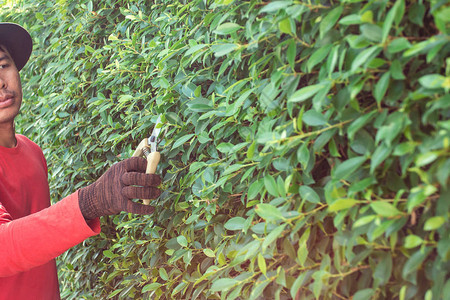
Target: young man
{"points": [[33, 233]]}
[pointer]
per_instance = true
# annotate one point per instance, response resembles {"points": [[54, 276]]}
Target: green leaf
{"points": [[380, 229], [273, 236], [268, 212], [285, 26], [341, 204], [372, 32], [351, 20], [365, 57], [262, 264], [223, 49], [302, 254], [224, 147], [303, 155], [163, 274], [398, 45], [182, 241], [223, 284], [39, 16], [348, 167], [271, 185], [385, 209], [258, 289], [251, 150], [416, 13], [151, 287], [412, 241], [363, 294], [434, 223], [426, 158], [424, 46], [301, 279], [330, 20], [359, 123], [305, 93], [274, 6], [441, 19], [381, 87], [194, 49], [387, 25], [379, 155], [396, 70], [364, 220], [254, 189], [309, 194], [314, 118], [415, 262], [236, 223], [227, 28], [432, 81], [291, 53], [417, 197], [208, 252], [367, 17], [182, 140], [109, 254], [318, 56]]}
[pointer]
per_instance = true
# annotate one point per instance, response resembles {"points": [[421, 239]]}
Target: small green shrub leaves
{"points": [[304, 151]]}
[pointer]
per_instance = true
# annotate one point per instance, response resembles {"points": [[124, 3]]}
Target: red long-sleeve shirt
{"points": [[33, 233]]}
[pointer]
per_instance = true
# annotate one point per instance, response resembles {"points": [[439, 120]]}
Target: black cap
{"points": [[18, 41]]}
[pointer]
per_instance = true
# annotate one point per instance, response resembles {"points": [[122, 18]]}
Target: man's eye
{"points": [[3, 66]]}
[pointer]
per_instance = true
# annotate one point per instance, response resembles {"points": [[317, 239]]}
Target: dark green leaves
{"points": [[304, 150]]}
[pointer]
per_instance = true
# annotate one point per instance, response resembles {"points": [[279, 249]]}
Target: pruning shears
{"points": [[148, 148]]}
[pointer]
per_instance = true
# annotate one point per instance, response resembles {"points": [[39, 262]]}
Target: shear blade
{"points": [[153, 139]]}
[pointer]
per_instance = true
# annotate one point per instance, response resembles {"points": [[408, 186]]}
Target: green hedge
{"points": [[305, 153]]}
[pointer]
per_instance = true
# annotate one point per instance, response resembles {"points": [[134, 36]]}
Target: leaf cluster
{"points": [[305, 152]]}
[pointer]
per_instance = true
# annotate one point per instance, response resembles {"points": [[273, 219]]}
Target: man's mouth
{"points": [[6, 100]]}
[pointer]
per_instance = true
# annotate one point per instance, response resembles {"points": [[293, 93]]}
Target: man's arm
{"points": [[36, 239]]}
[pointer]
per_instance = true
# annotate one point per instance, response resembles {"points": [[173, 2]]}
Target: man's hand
{"points": [[113, 191]]}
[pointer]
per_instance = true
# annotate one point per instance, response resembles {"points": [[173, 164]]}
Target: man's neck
{"points": [[7, 135]]}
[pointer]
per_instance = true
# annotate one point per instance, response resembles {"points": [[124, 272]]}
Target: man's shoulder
{"points": [[27, 142]]}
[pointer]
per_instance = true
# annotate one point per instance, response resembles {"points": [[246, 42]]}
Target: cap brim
{"points": [[18, 41]]}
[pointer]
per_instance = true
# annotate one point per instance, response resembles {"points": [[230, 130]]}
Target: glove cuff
{"points": [[86, 200]]}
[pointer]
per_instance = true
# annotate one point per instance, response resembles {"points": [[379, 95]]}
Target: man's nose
{"points": [[2, 83]]}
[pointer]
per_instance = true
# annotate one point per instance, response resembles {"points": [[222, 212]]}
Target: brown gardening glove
{"points": [[113, 191]]}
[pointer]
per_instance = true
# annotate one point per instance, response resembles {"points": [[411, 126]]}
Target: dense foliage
{"points": [[305, 151]]}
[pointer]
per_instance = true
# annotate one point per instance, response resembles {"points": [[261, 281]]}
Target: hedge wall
{"points": [[305, 152]]}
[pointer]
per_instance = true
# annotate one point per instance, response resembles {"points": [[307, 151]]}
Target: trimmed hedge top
{"points": [[306, 152]]}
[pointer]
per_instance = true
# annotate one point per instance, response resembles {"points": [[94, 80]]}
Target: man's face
{"points": [[10, 88]]}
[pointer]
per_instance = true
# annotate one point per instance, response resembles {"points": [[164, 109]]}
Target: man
{"points": [[33, 233]]}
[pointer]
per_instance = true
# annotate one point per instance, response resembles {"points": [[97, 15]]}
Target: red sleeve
{"points": [[36, 239]]}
